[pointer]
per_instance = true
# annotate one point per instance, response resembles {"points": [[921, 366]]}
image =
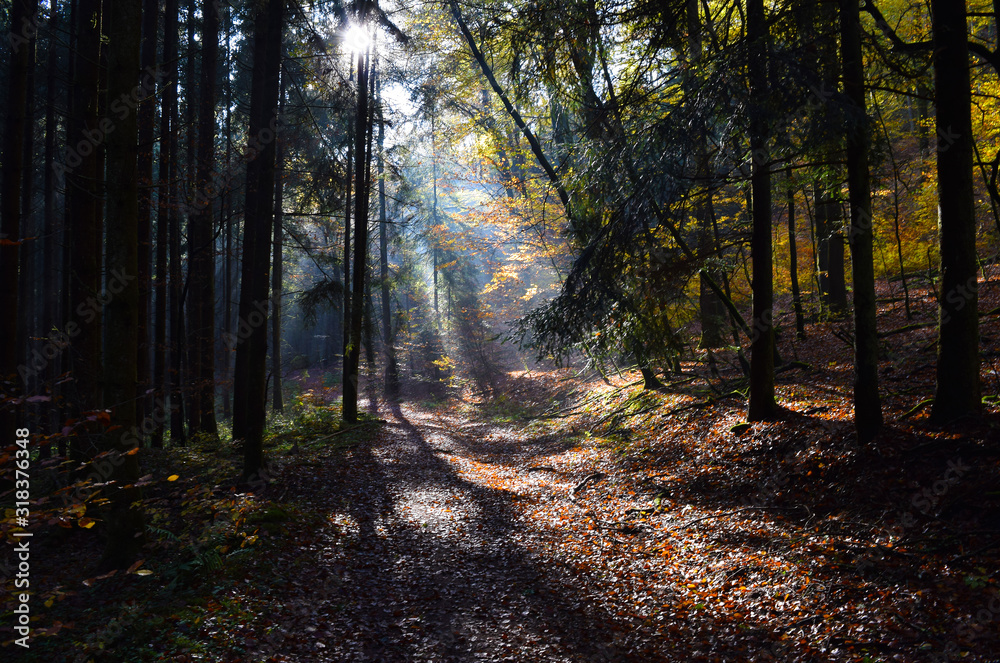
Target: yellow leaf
{"points": [[173, 477], [86, 523]]}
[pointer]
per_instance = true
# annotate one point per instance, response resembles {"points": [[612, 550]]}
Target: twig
{"points": [[916, 408], [344, 430], [707, 402], [596, 476], [906, 328], [734, 511], [977, 551]]}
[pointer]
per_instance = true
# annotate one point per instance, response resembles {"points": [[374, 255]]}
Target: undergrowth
{"points": [[204, 541]]}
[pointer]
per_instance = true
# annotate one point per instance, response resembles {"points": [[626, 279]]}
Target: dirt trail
{"points": [[424, 559]]}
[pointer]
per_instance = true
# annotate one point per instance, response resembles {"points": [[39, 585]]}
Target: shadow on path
{"points": [[422, 564]]}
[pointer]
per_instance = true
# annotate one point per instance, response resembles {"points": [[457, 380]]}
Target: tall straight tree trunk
{"points": [[67, 407], [227, 212], [52, 315], [10, 204], [147, 119], [166, 210], [190, 354], [350, 394], [83, 198], [957, 393], [388, 338], [178, 435], [251, 353], [867, 406], [762, 405], [835, 250], [125, 522], [793, 263], [347, 242], [27, 325], [201, 235], [821, 210], [276, 275]]}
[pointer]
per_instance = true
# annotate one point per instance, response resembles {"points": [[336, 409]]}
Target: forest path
{"points": [[431, 552]]}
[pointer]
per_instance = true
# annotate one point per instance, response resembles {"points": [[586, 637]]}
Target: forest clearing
{"points": [[470, 331]]}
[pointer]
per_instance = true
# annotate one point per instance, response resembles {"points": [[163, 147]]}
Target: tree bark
{"points": [[957, 393], [165, 211], [762, 405], [22, 11], [27, 324], [793, 263], [821, 229], [52, 229], [346, 331], [353, 357], [146, 118], [867, 406], [391, 383], [201, 242], [251, 352], [125, 522], [83, 184], [835, 251], [227, 278], [276, 276], [190, 354]]}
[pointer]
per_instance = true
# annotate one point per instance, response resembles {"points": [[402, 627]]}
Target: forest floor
{"points": [[576, 520]]}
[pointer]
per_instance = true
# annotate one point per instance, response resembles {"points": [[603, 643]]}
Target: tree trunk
{"points": [[867, 406], [125, 522], [27, 328], [52, 229], [251, 352], [146, 119], [190, 329], [822, 253], [346, 331], [835, 250], [350, 395], [178, 434], [276, 276], [957, 392], [201, 235], [762, 405], [391, 383], [165, 212], [84, 178], [10, 203], [793, 263], [227, 278]]}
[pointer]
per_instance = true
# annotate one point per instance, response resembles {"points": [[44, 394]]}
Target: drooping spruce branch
{"points": [[536, 147]]}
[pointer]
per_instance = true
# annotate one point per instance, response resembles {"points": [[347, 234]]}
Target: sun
{"points": [[357, 38]]}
